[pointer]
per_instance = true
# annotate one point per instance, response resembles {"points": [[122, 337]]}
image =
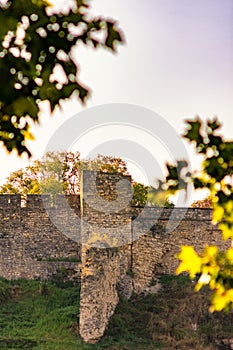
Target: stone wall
{"points": [[114, 248], [106, 228], [153, 252], [31, 246]]}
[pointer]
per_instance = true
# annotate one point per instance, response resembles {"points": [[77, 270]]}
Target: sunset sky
{"points": [[177, 62]]}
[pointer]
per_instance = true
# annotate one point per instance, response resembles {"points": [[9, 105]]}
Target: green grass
{"points": [[39, 318], [44, 316]]}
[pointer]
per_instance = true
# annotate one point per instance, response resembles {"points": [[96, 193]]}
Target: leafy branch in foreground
{"points": [[38, 63], [212, 267]]}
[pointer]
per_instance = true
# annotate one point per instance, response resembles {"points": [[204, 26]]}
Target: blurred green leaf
{"points": [[113, 35], [27, 66], [215, 268]]}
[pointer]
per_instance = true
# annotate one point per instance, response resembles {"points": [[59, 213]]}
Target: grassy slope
{"points": [[44, 317]]}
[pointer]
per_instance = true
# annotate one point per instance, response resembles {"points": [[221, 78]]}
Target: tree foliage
{"points": [[150, 196], [35, 46], [212, 267], [60, 172]]}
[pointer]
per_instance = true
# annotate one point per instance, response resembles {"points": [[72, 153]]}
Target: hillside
{"points": [[43, 316]]}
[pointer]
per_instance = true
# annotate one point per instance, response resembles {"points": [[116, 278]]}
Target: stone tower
{"points": [[106, 234]]}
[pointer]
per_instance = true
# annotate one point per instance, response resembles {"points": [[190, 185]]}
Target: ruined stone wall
{"points": [[106, 254], [114, 247], [159, 236], [31, 246], [38, 239], [33, 238]]}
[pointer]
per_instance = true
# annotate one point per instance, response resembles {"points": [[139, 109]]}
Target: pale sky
{"points": [[177, 62]]}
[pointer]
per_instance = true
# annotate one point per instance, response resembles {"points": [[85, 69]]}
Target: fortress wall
{"points": [[30, 243], [114, 248], [52, 234], [104, 260], [15, 263], [154, 250]]}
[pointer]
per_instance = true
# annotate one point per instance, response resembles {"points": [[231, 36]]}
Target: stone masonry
{"points": [[114, 248], [106, 228]]}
